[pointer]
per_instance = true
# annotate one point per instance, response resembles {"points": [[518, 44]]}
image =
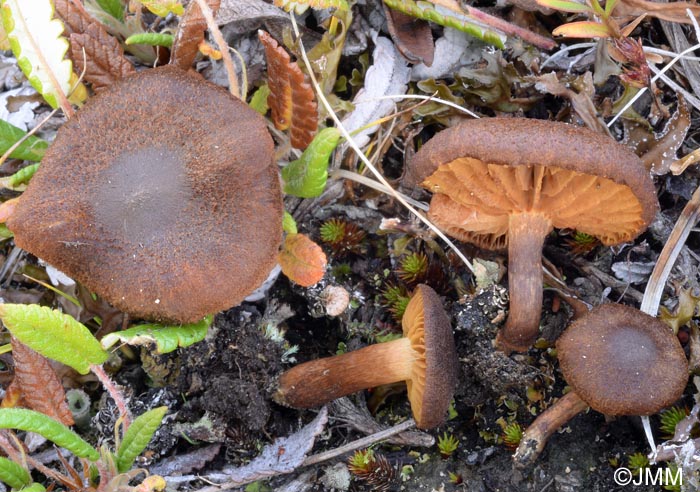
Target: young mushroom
{"points": [[507, 182], [618, 361], [425, 358], [161, 195]]}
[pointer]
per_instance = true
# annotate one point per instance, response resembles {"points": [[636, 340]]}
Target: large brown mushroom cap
{"points": [[435, 369], [484, 170], [623, 362], [160, 195]]}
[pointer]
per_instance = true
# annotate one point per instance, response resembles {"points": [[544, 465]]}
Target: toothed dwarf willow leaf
{"points": [[32, 149], [166, 338], [36, 41], [138, 436], [56, 432], [306, 177], [13, 474], [54, 335]]}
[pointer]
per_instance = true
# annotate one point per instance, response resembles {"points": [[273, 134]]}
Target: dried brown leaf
{"points": [[13, 396], [672, 12], [291, 97], [412, 37], [302, 260], [41, 388], [190, 33], [74, 16], [104, 61]]}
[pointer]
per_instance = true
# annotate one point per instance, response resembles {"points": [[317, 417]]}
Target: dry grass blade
{"points": [[675, 242], [189, 34], [103, 62], [40, 386], [291, 97]]}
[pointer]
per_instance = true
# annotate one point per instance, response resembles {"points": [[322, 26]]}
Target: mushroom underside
{"points": [[473, 200]]}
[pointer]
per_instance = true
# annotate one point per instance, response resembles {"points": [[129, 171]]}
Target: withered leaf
{"points": [[190, 33], [104, 61], [672, 11], [291, 97], [302, 260], [74, 16], [41, 388], [412, 37]]}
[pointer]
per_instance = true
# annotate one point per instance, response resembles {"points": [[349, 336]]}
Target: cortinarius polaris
{"points": [[160, 195], [507, 182]]}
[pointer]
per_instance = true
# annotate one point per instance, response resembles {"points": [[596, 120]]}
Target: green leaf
{"points": [[31, 421], [163, 7], [151, 39], [35, 487], [115, 8], [32, 149], [13, 474], [259, 100], [18, 180], [289, 225], [36, 41], [138, 436], [564, 5], [166, 338], [610, 6], [54, 335], [583, 29], [306, 177]]}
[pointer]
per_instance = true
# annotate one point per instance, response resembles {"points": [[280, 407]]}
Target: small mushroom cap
{"points": [[623, 362], [160, 195], [435, 371], [482, 171]]}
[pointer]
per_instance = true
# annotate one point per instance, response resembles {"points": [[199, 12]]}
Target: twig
{"points": [[223, 47], [375, 185]]}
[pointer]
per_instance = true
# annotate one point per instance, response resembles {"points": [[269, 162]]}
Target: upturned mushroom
{"points": [[618, 361], [160, 195], [425, 358], [507, 182]]}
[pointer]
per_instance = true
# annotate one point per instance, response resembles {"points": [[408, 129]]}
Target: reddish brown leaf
{"points": [[41, 388], [190, 33], [291, 97], [74, 16], [104, 55], [302, 260], [13, 396], [412, 37]]}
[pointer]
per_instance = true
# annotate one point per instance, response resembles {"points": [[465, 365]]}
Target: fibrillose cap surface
{"points": [[160, 195], [434, 378], [484, 170], [623, 362]]}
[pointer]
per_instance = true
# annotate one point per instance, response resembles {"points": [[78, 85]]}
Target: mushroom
{"points": [[507, 182], [425, 358], [618, 361], [160, 195]]}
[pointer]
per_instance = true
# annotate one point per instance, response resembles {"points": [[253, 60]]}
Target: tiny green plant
{"points": [[413, 267], [342, 236], [447, 445], [396, 298], [637, 462], [455, 478], [670, 418], [512, 434], [373, 469]]}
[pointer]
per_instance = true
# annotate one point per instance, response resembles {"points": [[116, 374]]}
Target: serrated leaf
{"points": [[31, 421], [13, 474], [564, 5], [138, 436], [35, 37], [166, 338], [18, 180], [289, 225], [35, 487], [306, 177], [162, 8], [302, 260], [291, 97], [53, 334], [32, 149], [583, 29], [300, 6], [190, 33], [41, 387]]}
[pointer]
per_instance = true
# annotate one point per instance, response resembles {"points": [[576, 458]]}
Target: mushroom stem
{"points": [[535, 437], [526, 235], [319, 381]]}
